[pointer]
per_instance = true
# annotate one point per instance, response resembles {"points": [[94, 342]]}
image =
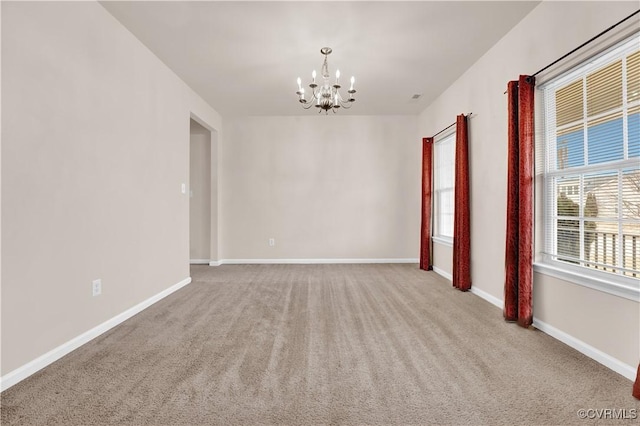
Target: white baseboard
{"points": [[488, 297], [480, 293], [597, 355], [443, 273], [53, 355], [607, 360], [215, 263], [309, 261], [199, 261]]}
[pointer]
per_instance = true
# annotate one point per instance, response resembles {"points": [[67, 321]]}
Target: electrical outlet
{"points": [[272, 242], [96, 287]]}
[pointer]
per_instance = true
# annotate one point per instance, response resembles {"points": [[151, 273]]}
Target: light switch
{"points": [[184, 188]]}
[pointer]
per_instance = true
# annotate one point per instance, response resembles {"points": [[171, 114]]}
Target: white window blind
{"points": [[444, 160], [592, 164]]}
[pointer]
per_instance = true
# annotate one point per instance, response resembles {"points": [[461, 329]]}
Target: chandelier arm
{"points": [[341, 103], [344, 104], [314, 97], [347, 102], [310, 104]]}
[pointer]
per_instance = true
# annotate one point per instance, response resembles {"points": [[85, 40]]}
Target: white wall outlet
{"points": [[272, 242], [184, 188], [96, 287]]}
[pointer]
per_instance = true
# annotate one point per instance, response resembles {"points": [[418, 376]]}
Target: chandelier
{"points": [[325, 96]]}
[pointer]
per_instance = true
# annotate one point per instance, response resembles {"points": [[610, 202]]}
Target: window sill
{"points": [[445, 241], [615, 285]]}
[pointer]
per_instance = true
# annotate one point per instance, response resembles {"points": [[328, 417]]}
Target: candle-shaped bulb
{"points": [[302, 94], [353, 79], [337, 75], [299, 84], [313, 75]]}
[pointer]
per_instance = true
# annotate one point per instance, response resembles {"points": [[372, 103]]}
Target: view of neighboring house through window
{"points": [[443, 183], [592, 164]]}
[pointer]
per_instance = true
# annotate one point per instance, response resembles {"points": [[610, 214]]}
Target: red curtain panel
{"points": [[462, 210], [518, 302], [511, 252], [425, 228], [636, 385]]}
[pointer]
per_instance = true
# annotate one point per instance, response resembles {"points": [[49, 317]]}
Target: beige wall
{"points": [[95, 147], [1, 30], [548, 32], [324, 187], [590, 315], [200, 193]]}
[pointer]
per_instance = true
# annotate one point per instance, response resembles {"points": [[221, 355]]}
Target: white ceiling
{"points": [[243, 58]]}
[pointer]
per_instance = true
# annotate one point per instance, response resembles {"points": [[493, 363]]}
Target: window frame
{"points": [[437, 236], [616, 284]]}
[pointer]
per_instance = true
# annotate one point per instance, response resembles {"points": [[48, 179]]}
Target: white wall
{"points": [[1, 30], [548, 32], [324, 187], [95, 144], [200, 193], [442, 258]]}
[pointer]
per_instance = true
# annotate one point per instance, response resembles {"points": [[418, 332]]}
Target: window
{"points": [[443, 183], [592, 167]]}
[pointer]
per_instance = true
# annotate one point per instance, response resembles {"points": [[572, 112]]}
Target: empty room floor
{"points": [[318, 344]]}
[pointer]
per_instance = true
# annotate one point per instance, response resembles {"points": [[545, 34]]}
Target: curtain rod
{"points": [[587, 42], [449, 126]]}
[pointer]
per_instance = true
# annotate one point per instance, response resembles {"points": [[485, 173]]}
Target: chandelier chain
{"points": [[325, 68]]}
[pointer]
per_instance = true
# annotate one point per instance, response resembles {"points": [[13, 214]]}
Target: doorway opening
{"points": [[202, 195]]}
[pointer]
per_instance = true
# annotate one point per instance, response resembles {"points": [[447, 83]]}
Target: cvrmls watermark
{"points": [[608, 413]]}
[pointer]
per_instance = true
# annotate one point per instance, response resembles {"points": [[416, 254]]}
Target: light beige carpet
{"points": [[318, 344]]}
